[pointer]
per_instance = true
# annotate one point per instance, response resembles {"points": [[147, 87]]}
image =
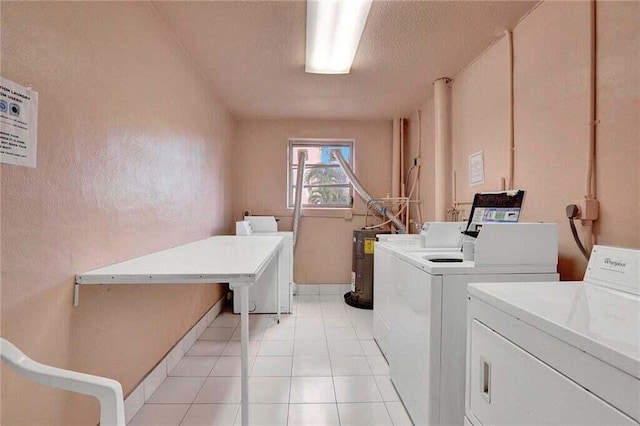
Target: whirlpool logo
{"points": [[614, 263]]}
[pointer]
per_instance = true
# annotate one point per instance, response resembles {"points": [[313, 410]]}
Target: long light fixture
{"points": [[334, 28]]}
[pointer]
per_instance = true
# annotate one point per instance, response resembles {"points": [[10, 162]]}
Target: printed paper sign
{"points": [[18, 124], [476, 169]]}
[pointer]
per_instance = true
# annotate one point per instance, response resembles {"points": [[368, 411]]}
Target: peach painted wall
{"points": [[426, 184], [618, 109], [551, 47], [261, 183], [480, 113], [134, 156]]}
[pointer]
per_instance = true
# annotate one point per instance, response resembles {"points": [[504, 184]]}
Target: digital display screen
{"points": [[494, 207]]}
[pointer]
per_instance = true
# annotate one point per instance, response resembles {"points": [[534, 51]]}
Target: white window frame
{"points": [[298, 142]]}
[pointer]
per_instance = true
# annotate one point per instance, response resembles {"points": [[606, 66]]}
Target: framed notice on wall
{"points": [[18, 124], [476, 168]]}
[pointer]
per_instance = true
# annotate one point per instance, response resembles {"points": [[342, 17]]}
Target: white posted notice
{"points": [[18, 124], [476, 168]]}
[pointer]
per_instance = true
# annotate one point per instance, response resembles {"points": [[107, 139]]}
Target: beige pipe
{"points": [[590, 190], [589, 184], [441, 107], [512, 140], [396, 160], [401, 133]]}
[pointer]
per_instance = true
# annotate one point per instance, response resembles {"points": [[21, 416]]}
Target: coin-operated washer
{"points": [[551, 353]]}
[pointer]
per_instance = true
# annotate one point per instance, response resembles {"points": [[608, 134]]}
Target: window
{"points": [[325, 185]]}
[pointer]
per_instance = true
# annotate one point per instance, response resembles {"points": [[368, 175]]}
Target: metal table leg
{"points": [[278, 278], [244, 338]]}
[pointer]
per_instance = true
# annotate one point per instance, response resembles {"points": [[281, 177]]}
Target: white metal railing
{"points": [[108, 391]]}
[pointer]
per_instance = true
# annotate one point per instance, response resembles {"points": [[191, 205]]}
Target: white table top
{"points": [[212, 260], [602, 322]]}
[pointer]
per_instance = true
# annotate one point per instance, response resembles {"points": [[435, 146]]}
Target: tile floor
{"points": [[319, 366]]}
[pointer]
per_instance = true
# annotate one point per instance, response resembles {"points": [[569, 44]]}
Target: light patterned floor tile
{"points": [[356, 389], [211, 415], [197, 366], [312, 390], [276, 348], [350, 366], [159, 415], [207, 348], [177, 390], [370, 414], [311, 366], [220, 390], [272, 366], [378, 365], [230, 366], [398, 414], [265, 415], [313, 414]]}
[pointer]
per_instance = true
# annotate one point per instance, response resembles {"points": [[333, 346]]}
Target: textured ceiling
{"points": [[253, 53]]}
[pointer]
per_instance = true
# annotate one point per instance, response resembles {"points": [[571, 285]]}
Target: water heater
{"points": [[361, 294]]}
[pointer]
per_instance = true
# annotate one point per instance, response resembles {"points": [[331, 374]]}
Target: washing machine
{"points": [[434, 237], [426, 309], [557, 353], [262, 297]]}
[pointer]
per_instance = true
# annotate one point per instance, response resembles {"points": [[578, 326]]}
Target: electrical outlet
{"points": [[588, 210]]}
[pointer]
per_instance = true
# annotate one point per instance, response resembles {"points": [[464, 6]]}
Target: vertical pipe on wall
{"points": [[401, 133], [419, 156], [396, 164], [590, 186], [512, 141], [442, 145]]}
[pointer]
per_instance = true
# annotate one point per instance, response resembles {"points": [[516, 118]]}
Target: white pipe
{"points": [[108, 391], [403, 188], [396, 161], [441, 107], [512, 141], [368, 199], [589, 184], [419, 155], [297, 208]]}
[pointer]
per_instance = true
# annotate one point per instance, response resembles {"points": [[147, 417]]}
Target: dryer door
{"points": [[509, 386]]}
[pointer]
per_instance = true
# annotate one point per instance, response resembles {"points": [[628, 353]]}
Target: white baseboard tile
{"points": [[189, 339], [152, 381], [202, 325], [308, 289], [134, 403], [324, 289], [330, 288], [155, 378], [174, 356]]}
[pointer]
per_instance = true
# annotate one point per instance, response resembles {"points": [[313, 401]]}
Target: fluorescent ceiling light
{"points": [[334, 28]]}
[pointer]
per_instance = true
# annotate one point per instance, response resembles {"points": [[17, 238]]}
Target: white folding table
{"points": [[239, 261]]}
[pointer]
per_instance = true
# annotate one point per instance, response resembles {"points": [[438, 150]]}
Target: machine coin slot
{"points": [[485, 379], [445, 260]]}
